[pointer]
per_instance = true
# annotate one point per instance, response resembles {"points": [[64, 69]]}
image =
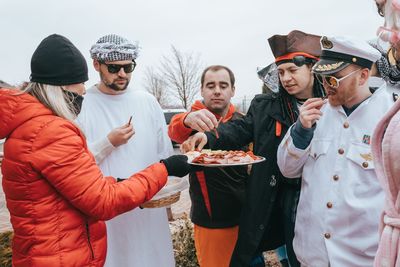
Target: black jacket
{"points": [[261, 227], [217, 194]]}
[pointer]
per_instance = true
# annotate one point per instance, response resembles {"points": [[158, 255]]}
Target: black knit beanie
{"points": [[56, 61]]}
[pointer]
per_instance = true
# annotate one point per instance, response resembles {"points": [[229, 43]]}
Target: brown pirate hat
{"points": [[296, 43]]}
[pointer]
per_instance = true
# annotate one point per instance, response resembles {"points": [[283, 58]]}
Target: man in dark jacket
{"points": [[217, 194], [267, 219]]}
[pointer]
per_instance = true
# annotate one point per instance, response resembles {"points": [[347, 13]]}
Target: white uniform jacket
{"points": [[341, 199]]}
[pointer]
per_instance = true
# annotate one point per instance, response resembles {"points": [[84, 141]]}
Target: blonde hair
{"points": [[53, 97]]}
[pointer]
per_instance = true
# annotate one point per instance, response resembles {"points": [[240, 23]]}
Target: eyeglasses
{"points": [[332, 81], [115, 68]]}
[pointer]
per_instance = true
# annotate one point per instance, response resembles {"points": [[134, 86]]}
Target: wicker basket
{"points": [[162, 202]]}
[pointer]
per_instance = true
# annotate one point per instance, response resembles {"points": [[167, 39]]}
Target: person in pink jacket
{"points": [[386, 149], [385, 141]]}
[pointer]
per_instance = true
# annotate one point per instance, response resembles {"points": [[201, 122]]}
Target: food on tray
{"points": [[222, 157]]}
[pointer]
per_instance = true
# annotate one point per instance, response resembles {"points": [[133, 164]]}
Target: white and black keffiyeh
{"points": [[389, 73], [114, 48]]}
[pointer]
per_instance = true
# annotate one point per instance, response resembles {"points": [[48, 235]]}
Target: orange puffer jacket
{"points": [[56, 195]]}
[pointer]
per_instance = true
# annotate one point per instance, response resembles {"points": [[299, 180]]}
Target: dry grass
{"points": [[5, 249], [183, 243]]}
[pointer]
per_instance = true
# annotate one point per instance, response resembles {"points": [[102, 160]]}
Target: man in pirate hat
{"points": [[270, 202], [329, 147]]}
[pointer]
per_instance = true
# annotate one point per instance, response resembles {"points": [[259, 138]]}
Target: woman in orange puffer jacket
{"points": [[56, 194]]}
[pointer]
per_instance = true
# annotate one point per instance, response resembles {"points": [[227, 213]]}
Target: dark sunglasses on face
{"points": [[115, 68], [301, 60], [332, 81]]}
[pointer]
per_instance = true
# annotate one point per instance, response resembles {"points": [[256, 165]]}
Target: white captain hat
{"points": [[339, 52]]}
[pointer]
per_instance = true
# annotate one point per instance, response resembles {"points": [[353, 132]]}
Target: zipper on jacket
{"points": [[88, 239]]}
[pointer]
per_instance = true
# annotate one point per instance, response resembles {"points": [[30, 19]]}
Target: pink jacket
{"points": [[386, 153]]}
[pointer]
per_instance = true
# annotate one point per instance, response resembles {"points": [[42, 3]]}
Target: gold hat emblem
{"points": [[328, 67], [326, 43]]}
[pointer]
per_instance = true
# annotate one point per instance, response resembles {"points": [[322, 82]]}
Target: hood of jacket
{"points": [[16, 108]]}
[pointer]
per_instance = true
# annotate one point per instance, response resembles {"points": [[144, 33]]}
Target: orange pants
{"points": [[214, 247]]}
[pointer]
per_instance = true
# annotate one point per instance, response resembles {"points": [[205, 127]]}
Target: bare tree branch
{"points": [[181, 73], [156, 86]]}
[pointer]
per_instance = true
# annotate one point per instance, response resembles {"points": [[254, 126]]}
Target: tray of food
{"points": [[222, 158]]}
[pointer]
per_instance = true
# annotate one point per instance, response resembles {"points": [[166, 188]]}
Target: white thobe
{"points": [[341, 200], [140, 237]]}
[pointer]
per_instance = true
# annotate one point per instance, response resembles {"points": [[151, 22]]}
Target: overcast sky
{"points": [[228, 32]]}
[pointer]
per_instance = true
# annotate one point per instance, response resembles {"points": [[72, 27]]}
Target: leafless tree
{"points": [[181, 73], [156, 86]]}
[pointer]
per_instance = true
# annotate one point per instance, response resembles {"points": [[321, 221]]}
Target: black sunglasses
{"points": [[115, 68], [301, 60]]}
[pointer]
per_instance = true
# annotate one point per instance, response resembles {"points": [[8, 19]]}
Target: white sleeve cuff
{"points": [[293, 151], [101, 149]]}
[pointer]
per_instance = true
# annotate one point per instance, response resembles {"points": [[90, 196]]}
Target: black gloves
{"points": [[177, 165]]}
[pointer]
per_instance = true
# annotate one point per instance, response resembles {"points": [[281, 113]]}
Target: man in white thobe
{"points": [[329, 146], [122, 146]]}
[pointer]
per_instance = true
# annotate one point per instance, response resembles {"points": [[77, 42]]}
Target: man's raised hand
{"points": [[198, 139], [310, 111], [121, 135], [201, 120]]}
